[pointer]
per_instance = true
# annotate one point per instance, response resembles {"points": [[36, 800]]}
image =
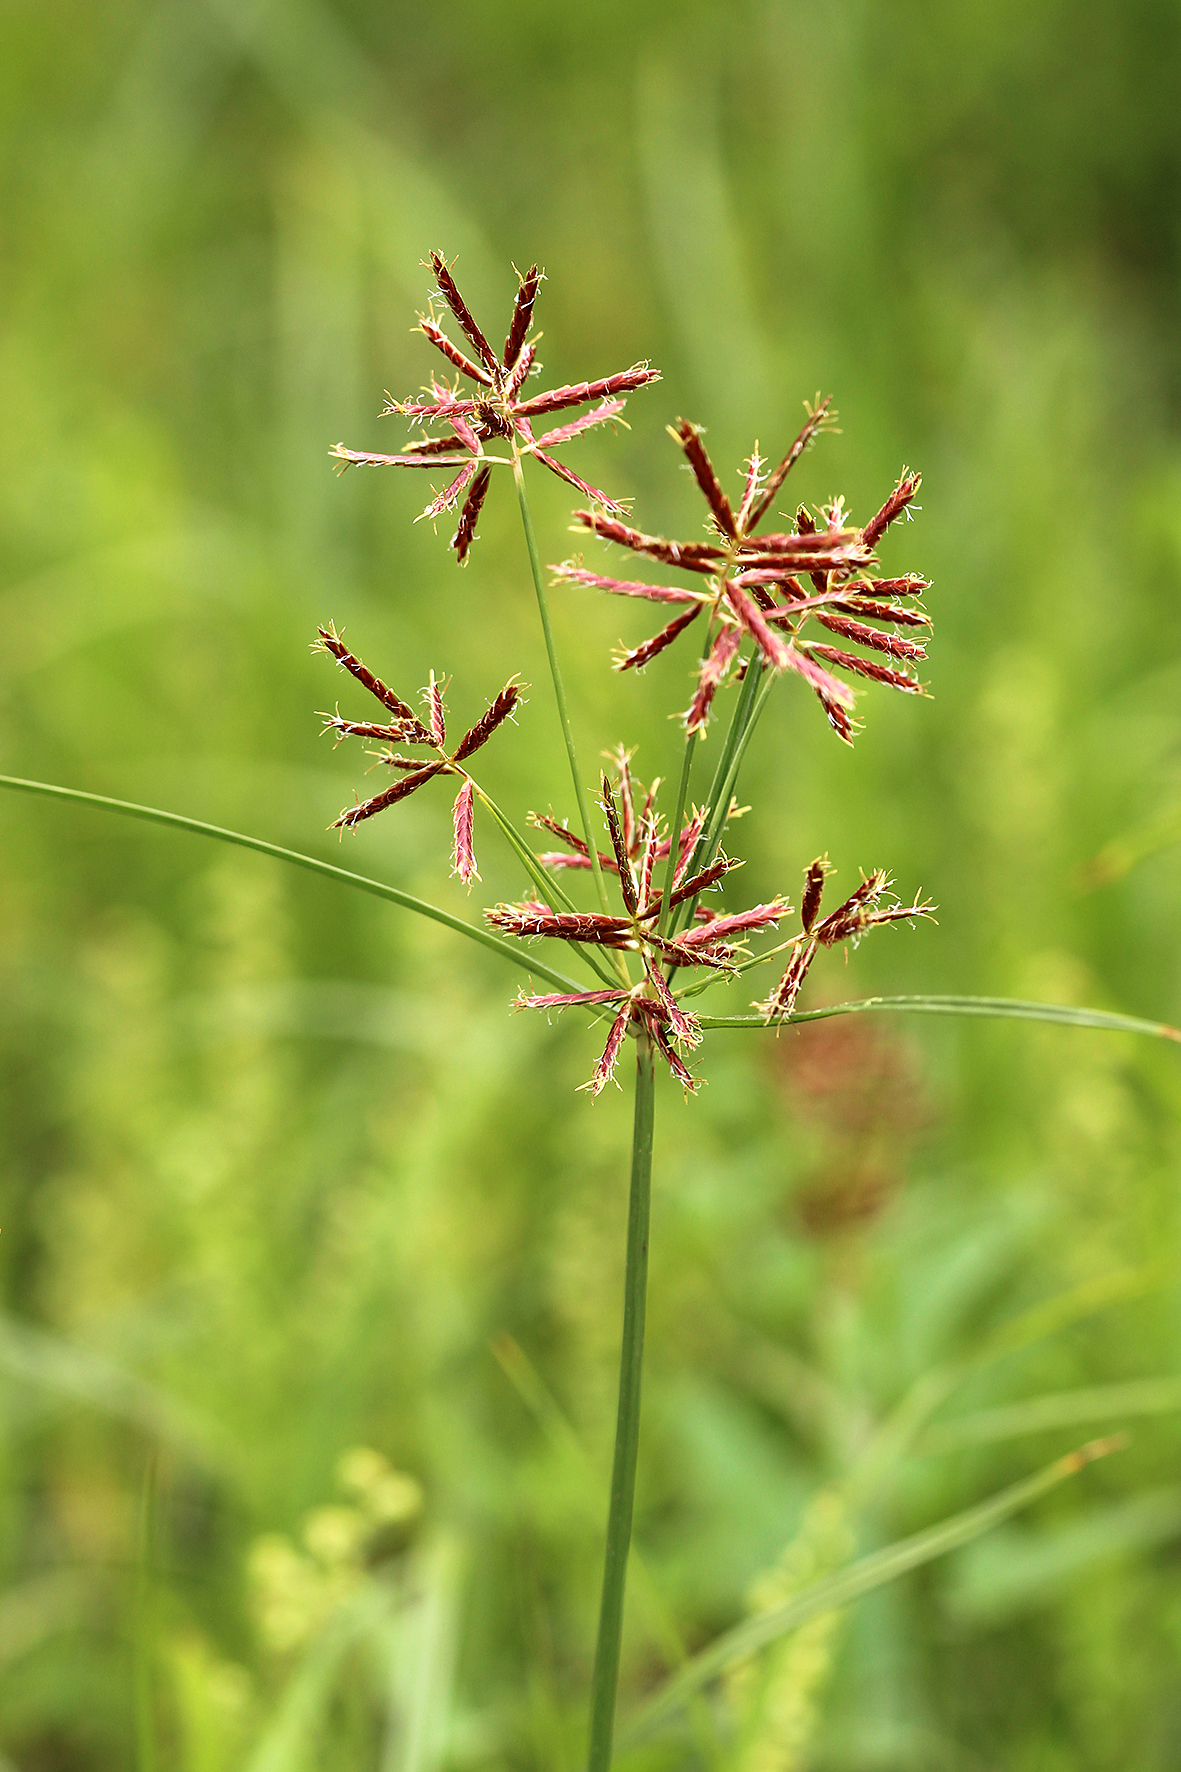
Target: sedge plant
{"points": [[779, 600]]}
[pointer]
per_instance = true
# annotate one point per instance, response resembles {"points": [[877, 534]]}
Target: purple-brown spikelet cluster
{"points": [[711, 941], [405, 727], [754, 585], [864, 908], [495, 408]]}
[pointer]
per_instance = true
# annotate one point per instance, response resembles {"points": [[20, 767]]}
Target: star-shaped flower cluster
{"points": [[754, 585], [711, 941], [496, 409], [404, 727]]}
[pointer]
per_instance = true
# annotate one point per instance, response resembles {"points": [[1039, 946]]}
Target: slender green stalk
{"points": [[1009, 1008], [176, 821], [627, 1429], [559, 691], [146, 1757]]}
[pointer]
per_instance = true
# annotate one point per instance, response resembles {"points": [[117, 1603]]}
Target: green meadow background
{"points": [[311, 1253]]}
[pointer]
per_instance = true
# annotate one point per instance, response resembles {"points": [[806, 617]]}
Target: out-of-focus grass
{"points": [[280, 1171]]}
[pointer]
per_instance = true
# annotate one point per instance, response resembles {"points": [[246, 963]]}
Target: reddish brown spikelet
{"points": [[828, 687], [714, 666], [851, 917], [452, 352], [641, 655], [893, 508], [648, 862], [908, 618], [572, 479], [531, 918], [626, 881], [813, 892], [689, 437], [685, 1027], [623, 760], [433, 696], [672, 1059], [522, 315], [862, 635], [409, 784], [605, 1069], [486, 725], [520, 374], [868, 667], [688, 843], [694, 556], [782, 1000], [463, 859], [331, 642], [818, 419], [465, 532], [459, 308], [703, 881]]}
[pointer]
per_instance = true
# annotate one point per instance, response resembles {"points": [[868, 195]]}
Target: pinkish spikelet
{"points": [[605, 1069], [713, 670], [520, 374], [360, 458], [819, 418], [572, 479], [758, 917], [433, 696], [672, 1058], [463, 859], [688, 843], [330, 641], [564, 1000], [600, 416], [579, 393], [685, 1027], [877, 611], [694, 556], [651, 844], [450, 495], [626, 587], [623, 761]]}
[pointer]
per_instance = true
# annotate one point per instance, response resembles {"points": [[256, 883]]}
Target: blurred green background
{"points": [[283, 1180]]}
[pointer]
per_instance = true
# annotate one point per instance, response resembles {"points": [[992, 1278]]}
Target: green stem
{"points": [[738, 723], [559, 692], [176, 821], [146, 1757], [627, 1429]]}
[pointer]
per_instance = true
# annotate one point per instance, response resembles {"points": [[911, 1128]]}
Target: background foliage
{"points": [[281, 1176]]}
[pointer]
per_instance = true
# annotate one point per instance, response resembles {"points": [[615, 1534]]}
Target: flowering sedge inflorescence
{"points": [[496, 408], [761, 588], [405, 727], [753, 584]]}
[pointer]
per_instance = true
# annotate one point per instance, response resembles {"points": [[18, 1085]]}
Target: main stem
{"points": [[559, 690], [627, 1426]]}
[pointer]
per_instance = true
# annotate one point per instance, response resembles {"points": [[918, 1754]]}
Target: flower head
{"points": [[754, 584], [711, 941], [494, 407], [871, 903], [404, 727]]}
